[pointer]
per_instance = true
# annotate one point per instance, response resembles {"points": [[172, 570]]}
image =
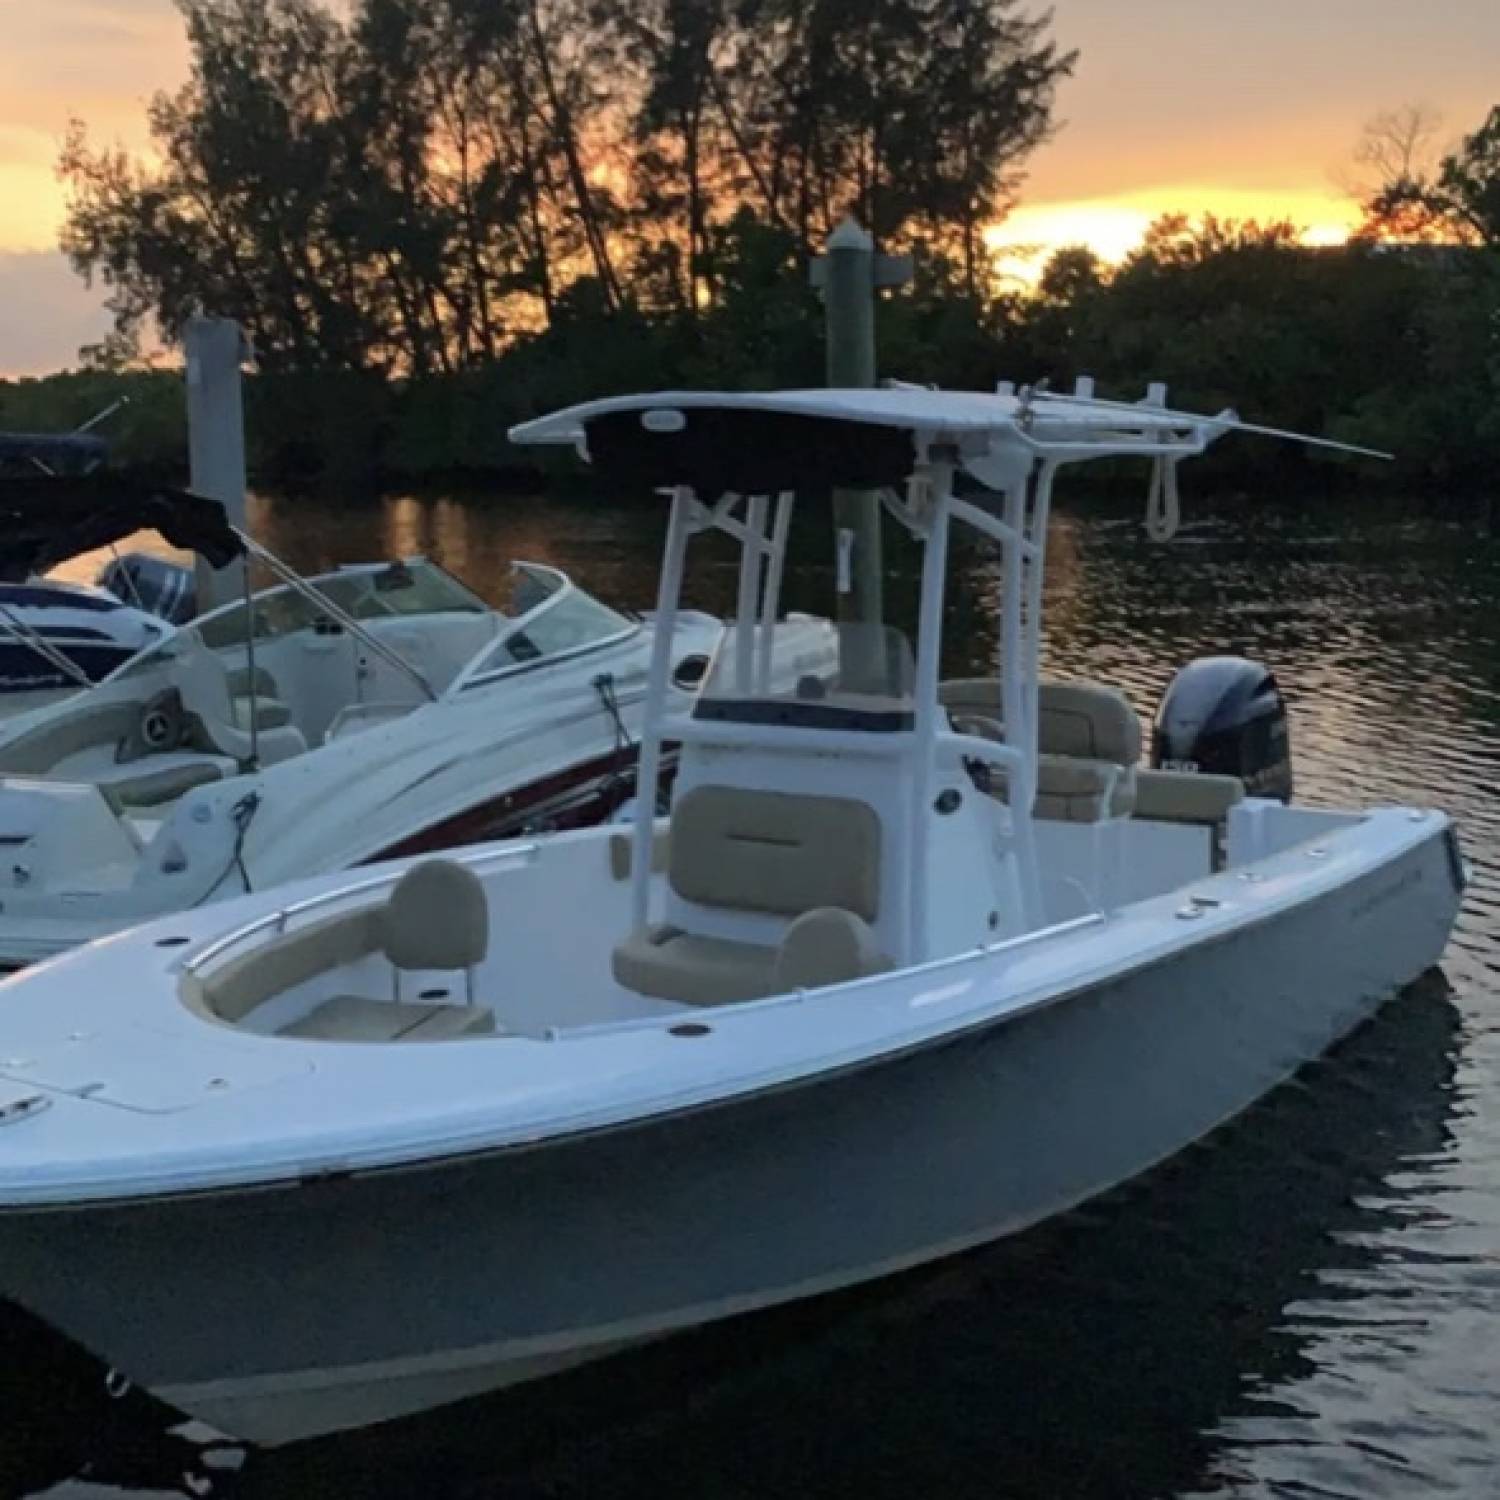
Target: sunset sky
{"points": [[1183, 105]]}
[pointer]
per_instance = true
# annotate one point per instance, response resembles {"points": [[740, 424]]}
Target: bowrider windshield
{"points": [[366, 593], [552, 618], [399, 589]]}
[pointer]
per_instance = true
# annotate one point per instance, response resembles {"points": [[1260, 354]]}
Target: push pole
{"points": [[215, 350], [848, 274]]}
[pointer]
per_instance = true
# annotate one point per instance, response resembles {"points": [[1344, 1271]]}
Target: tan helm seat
{"points": [[774, 853]]}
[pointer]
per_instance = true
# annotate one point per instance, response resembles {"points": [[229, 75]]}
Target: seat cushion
{"points": [[232, 992], [74, 728], [693, 970], [437, 917], [1084, 720], [621, 847], [776, 852], [160, 778], [827, 946], [1082, 791], [264, 713], [1089, 722], [1186, 797], [353, 1018]]}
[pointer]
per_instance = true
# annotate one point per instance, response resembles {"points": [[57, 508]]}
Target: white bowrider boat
{"points": [[375, 710], [913, 964]]}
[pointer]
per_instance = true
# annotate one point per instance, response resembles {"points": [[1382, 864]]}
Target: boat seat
{"points": [[622, 845], [160, 778], [213, 717], [1186, 797], [264, 707], [671, 964], [80, 727], [822, 947], [352, 1018], [827, 946], [436, 918], [1081, 791], [236, 989], [1088, 743], [778, 853]]}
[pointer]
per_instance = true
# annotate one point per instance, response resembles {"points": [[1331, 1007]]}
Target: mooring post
{"points": [[215, 350], [848, 274]]}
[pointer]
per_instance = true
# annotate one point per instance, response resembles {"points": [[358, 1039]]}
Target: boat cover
{"points": [[46, 519]]}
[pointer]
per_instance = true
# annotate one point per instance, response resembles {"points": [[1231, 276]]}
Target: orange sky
{"points": [[1177, 105]]}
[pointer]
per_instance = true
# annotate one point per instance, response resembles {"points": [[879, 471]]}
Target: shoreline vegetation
{"points": [[436, 218]]}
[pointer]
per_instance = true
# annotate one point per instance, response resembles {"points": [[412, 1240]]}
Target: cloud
{"points": [[46, 313]]}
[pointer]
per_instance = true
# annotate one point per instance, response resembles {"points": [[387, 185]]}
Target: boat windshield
{"points": [[552, 616], [413, 587], [866, 684], [390, 590]]}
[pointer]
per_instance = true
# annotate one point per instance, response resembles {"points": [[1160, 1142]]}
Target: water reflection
{"points": [[1306, 1304]]}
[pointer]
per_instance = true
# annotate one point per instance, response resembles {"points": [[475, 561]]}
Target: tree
{"points": [[1458, 202], [1396, 146], [407, 187]]}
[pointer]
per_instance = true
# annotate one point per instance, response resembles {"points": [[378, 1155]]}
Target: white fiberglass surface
{"points": [[556, 910]]}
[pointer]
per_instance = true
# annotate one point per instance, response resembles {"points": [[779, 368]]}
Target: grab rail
{"points": [[282, 915]]}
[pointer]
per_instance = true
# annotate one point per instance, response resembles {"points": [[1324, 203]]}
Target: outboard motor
{"points": [[1225, 716], [151, 583]]}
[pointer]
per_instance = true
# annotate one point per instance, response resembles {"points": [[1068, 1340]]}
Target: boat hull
{"points": [[350, 1299]]}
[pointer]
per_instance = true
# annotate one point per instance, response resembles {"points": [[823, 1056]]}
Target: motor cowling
{"points": [[167, 589], [1225, 716]]}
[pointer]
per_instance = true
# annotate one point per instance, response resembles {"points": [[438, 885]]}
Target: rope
{"points": [[604, 685], [240, 815]]}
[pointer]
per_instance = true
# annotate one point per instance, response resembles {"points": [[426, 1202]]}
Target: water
{"points": [[1306, 1305]]}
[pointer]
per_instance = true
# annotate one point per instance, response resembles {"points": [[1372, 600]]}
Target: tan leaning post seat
{"points": [[1186, 797], [1088, 742], [777, 853]]}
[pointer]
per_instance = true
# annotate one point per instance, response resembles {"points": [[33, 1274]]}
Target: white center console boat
{"points": [[913, 964]]}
